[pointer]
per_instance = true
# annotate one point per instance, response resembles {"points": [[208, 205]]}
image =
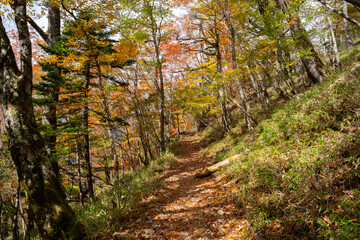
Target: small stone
{"points": [[220, 212], [149, 231], [121, 236], [139, 220], [186, 236]]}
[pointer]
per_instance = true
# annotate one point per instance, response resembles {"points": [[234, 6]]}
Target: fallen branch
{"points": [[210, 170]]}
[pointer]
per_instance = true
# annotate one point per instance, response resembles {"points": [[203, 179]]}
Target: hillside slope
{"points": [[298, 175]]}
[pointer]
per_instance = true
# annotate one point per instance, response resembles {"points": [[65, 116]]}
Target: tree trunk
{"points": [[259, 93], [110, 130], [334, 46], [14, 219], [222, 95], [312, 62], [348, 40], [88, 167], [78, 160], [51, 109], [156, 39], [1, 221], [47, 200]]}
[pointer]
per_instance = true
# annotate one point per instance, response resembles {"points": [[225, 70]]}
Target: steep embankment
{"points": [[186, 207]]}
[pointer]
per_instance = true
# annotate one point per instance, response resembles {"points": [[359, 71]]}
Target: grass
{"points": [[298, 177], [101, 216]]}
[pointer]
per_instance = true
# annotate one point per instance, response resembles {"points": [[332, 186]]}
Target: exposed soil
{"points": [[186, 207]]}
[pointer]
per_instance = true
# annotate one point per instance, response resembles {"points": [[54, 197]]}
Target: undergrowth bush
{"points": [[112, 203]]}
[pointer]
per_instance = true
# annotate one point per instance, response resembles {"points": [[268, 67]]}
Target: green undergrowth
{"points": [[113, 203], [298, 176]]}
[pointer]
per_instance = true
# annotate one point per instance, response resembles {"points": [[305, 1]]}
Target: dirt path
{"points": [[188, 208]]}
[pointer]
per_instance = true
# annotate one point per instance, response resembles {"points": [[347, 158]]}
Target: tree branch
{"points": [[353, 21], [41, 32]]}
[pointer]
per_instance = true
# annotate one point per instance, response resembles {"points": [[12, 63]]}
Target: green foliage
{"points": [[115, 202]]}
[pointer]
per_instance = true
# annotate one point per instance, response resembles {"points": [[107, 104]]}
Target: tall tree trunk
{"points": [[79, 168], [47, 200], [334, 46], [222, 93], [259, 93], [110, 129], [14, 219], [348, 40], [312, 63], [1, 214], [88, 167], [143, 138], [156, 39], [29, 223], [51, 109]]}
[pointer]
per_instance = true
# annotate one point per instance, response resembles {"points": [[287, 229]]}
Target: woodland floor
{"points": [[186, 207]]}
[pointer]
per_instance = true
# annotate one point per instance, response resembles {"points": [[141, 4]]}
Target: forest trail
{"points": [[186, 207]]}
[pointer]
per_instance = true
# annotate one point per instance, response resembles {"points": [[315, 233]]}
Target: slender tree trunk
{"points": [[222, 94], [88, 167], [156, 36], [259, 94], [47, 200], [106, 165], [29, 223], [14, 219], [51, 109], [1, 220], [110, 130], [334, 46], [177, 126], [78, 160], [348, 39], [144, 140]]}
